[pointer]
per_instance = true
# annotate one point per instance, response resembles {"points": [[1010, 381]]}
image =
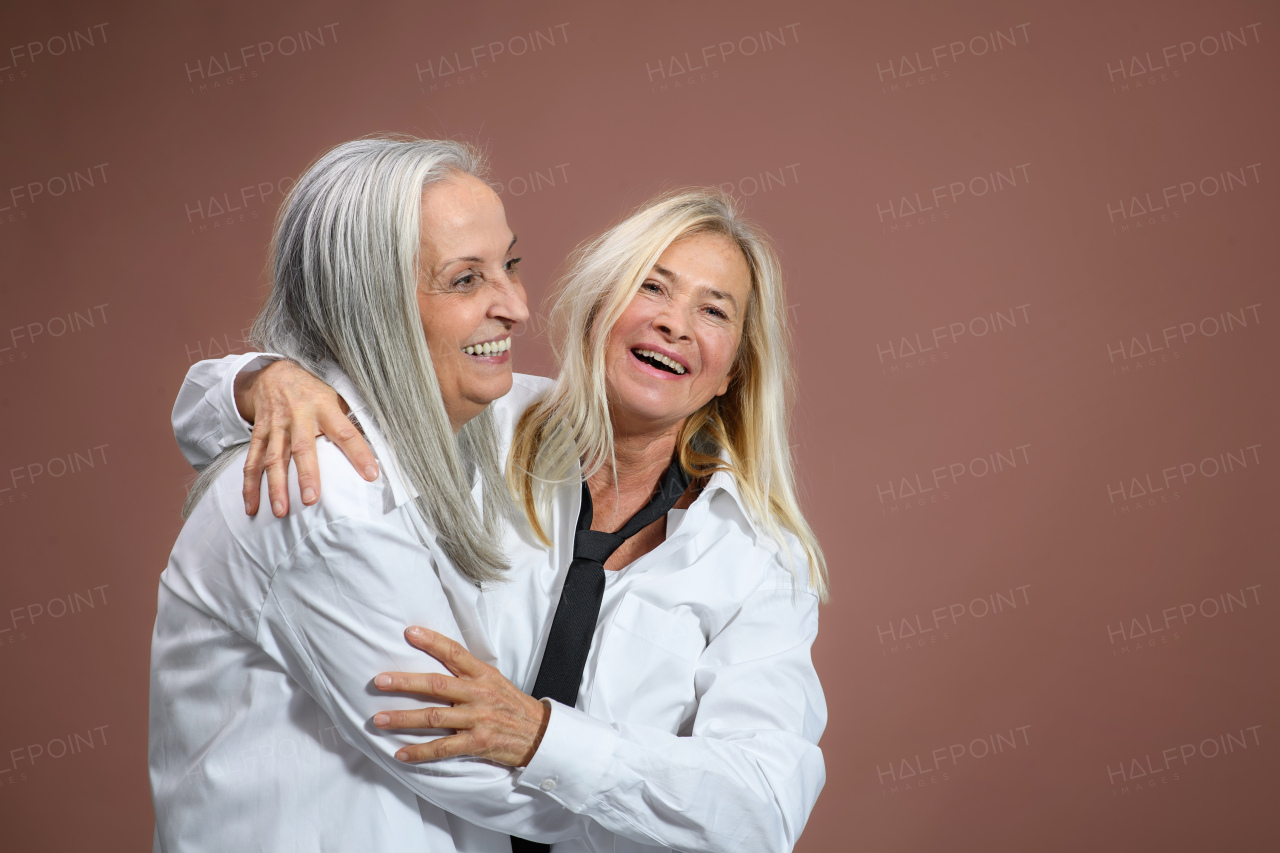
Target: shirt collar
{"points": [[725, 482], [401, 492], [721, 481]]}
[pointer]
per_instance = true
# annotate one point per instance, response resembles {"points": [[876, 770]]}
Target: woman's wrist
{"points": [[244, 385], [542, 715]]}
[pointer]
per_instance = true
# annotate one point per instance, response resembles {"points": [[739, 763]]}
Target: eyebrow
{"points": [[472, 259], [715, 294], [724, 297]]}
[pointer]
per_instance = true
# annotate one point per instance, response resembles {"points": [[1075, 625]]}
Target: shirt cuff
{"points": [[575, 752], [233, 425]]}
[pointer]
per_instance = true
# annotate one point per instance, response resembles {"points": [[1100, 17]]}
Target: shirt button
{"points": [[548, 785]]}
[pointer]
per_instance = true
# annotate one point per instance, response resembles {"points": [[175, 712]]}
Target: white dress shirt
{"points": [[268, 634], [699, 713]]}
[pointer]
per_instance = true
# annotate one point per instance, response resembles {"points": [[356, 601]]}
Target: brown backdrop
{"points": [[1031, 257]]}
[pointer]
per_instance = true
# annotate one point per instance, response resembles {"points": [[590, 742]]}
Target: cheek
{"points": [[719, 352], [449, 321], [636, 316], [445, 357], [435, 342], [616, 348]]}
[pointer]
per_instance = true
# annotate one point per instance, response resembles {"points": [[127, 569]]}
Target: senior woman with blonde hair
{"points": [[742, 429], [668, 635]]}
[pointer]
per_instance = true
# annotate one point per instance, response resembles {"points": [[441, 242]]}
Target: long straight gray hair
{"points": [[344, 280]]}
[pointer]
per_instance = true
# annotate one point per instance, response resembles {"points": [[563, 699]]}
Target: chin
{"points": [[648, 409], [492, 391]]}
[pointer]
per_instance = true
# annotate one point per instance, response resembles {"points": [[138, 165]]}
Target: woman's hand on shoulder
{"points": [[288, 408]]}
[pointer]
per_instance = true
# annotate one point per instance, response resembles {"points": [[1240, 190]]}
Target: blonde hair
{"points": [[748, 425]]}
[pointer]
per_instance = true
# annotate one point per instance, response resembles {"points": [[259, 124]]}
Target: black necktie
{"points": [[574, 624]]}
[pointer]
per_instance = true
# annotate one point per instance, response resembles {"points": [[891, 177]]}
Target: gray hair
{"points": [[344, 284]]}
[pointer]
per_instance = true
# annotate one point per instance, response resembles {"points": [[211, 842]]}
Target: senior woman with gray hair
{"points": [[390, 258], [684, 710]]}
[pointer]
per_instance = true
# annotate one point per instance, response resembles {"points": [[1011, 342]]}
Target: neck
{"points": [[643, 455], [641, 458], [618, 492]]}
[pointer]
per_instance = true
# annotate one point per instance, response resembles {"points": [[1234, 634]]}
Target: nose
{"points": [[509, 306], [672, 320]]}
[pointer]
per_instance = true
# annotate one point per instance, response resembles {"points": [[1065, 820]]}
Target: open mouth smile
{"points": [[659, 361], [489, 348]]}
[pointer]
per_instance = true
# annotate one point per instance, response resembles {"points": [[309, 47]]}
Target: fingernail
{"points": [[248, 509], [383, 680], [381, 720], [371, 472], [417, 632], [277, 508], [308, 496], [402, 755]]}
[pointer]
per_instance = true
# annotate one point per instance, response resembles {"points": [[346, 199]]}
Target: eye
{"points": [[716, 312], [512, 265], [651, 287], [465, 281]]}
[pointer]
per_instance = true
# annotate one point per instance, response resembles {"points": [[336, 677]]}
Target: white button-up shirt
{"points": [[699, 713]]}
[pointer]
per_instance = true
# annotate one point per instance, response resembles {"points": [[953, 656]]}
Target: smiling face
{"points": [[674, 346], [469, 293]]}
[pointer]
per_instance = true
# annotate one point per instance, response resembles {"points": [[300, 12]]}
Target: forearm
{"points": [[206, 419], [749, 794], [749, 771], [334, 624]]}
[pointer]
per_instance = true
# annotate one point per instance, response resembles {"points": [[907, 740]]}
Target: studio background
{"points": [[1031, 257]]}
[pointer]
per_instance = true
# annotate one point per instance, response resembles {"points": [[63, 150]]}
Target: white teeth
{"points": [[491, 348], [659, 357]]}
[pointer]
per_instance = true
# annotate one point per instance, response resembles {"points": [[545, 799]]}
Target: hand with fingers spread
{"points": [[492, 718], [288, 408]]}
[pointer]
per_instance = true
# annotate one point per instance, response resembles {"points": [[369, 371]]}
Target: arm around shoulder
{"points": [[206, 420]]}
